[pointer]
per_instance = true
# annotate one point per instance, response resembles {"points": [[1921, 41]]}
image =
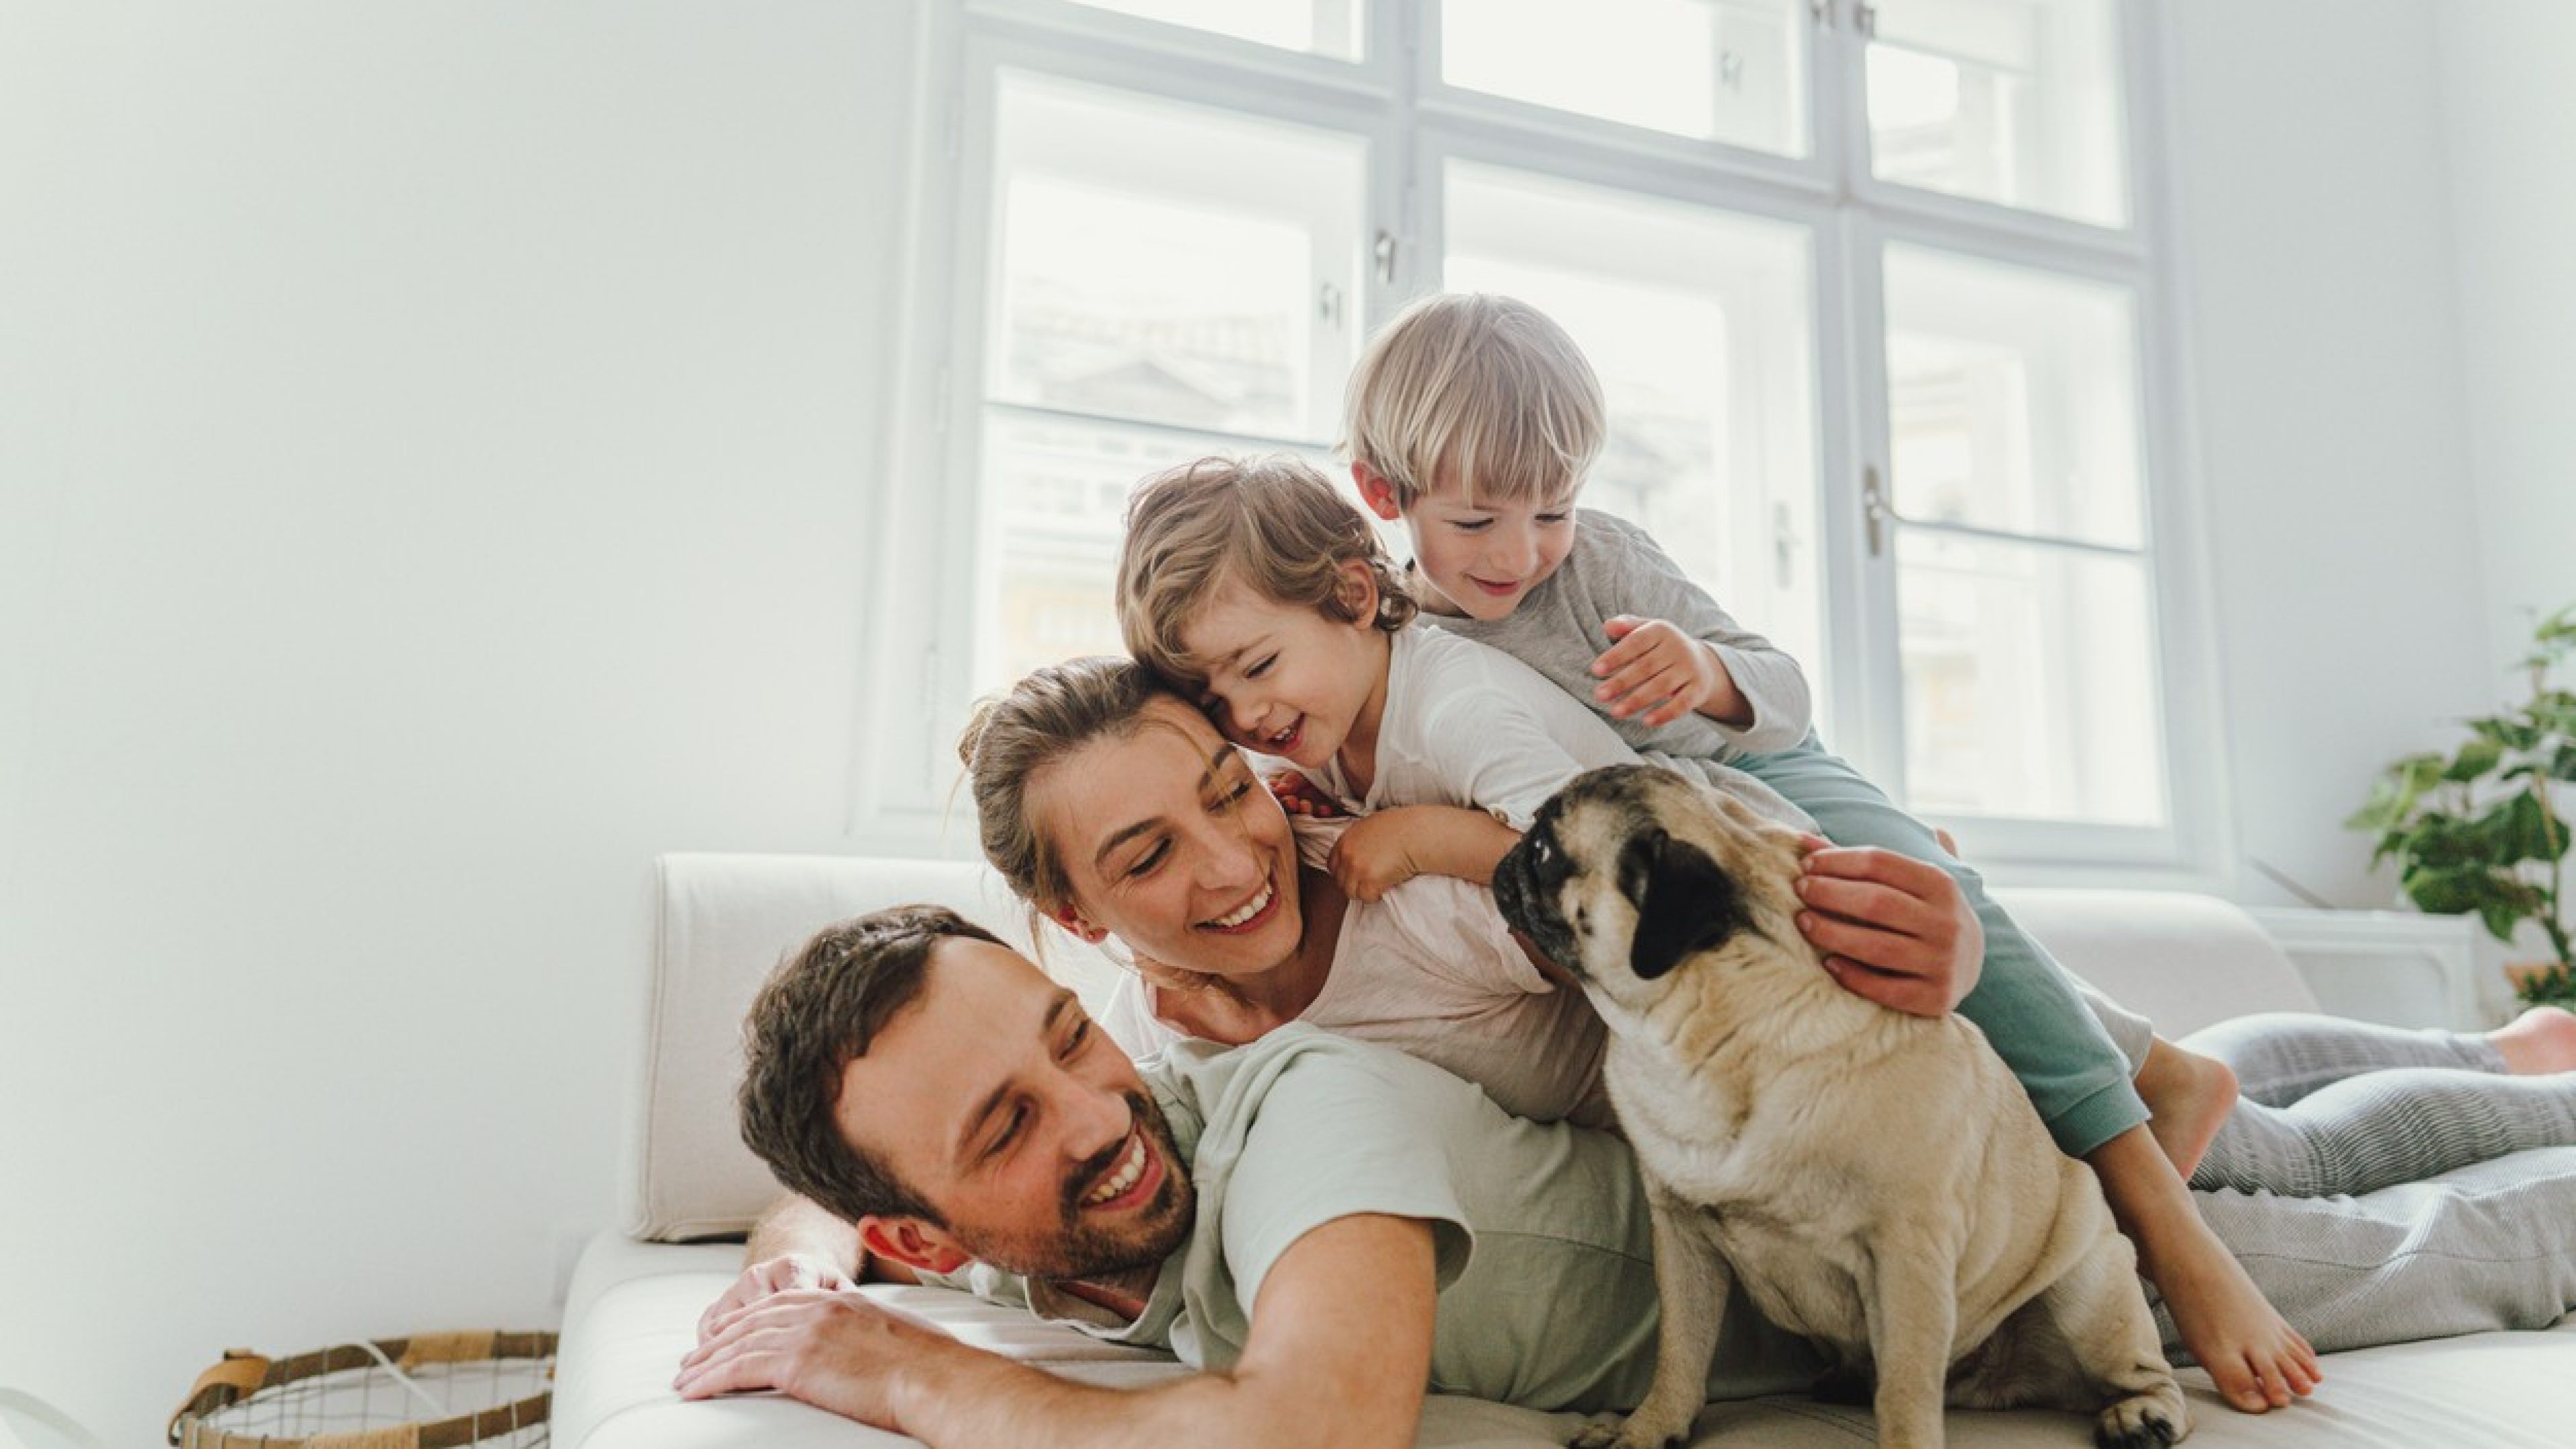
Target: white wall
{"points": [[2317, 245], [436, 444], [436, 461], [2512, 150]]}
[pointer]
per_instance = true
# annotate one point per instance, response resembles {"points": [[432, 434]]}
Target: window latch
{"points": [[1384, 255], [1875, 509]]}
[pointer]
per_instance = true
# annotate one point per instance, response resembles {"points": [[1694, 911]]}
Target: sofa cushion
{"points": [[634, 1309]]}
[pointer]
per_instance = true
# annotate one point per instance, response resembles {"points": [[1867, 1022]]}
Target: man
{"points": [[1308, 1220]]}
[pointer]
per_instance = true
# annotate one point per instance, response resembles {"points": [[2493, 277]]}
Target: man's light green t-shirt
{"points": [[1547, 1290]]}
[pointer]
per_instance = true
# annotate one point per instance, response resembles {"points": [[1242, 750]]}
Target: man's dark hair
{"points": [[816, 1014]]}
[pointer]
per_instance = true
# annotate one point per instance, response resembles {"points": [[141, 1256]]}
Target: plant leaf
{"points": [[2475, 758]]}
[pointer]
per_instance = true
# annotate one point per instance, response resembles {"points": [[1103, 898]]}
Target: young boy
{"points": [[1473, 420]]}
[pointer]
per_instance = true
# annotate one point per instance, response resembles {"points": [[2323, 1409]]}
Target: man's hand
{"points": [[1893, 929], [1653, 666], [836, 1351], [787, 1273]]}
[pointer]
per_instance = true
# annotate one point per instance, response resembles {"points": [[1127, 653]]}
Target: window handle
{"points": [[1384, 254], [1822, 13], [1865, 19], [1875, 508]]}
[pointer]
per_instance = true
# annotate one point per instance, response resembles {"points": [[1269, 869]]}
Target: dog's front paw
{"points": [[2148, 1421], [1634, 1433]]}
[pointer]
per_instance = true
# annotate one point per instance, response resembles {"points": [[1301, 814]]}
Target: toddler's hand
{"points": [[1301, 796], [1657, 668], [1373, 856]]}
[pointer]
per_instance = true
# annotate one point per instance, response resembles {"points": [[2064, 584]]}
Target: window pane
{"points": [[1714, 70], [1697, 321], [1056, 488], [1170, 264], [2011, 101], [1325, 27], [2030, 682], [1168, 282], [2013, 399]]}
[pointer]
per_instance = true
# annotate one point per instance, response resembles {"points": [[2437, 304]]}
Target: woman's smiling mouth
{"points": [[1250, 913]]}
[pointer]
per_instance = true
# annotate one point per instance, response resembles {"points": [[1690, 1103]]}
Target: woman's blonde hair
{"points": [[1271, 524], [1474, 392], [1053, 711]]}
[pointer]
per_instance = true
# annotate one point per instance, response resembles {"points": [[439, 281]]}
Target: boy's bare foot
{"points": [[2190, 1096], [2258, 1361], [2540, 1041]]}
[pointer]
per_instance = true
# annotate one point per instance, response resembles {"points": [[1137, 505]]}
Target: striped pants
{"points": [[2333, 1106]]}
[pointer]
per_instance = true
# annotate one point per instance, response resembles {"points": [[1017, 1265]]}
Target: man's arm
{"points": [[1339, 1354]]}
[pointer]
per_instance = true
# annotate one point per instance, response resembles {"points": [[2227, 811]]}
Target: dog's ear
{"points": [[1685, 902]]}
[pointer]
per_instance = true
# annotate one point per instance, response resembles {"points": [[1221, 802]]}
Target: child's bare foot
{"points": [[2258, 1361], [2190, 1095], [2540, 1041]]}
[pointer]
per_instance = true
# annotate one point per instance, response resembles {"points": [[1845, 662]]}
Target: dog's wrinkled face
{"points": [[1629, 871]]}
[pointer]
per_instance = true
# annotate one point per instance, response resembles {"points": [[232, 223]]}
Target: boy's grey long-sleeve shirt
{"points": [[1615, 568]]}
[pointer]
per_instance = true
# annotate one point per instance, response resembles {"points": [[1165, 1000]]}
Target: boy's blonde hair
{"points": [[1271, 524], [1475, 392]]}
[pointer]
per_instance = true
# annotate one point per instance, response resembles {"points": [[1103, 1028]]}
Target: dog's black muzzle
{"points": [[1526, 883]]}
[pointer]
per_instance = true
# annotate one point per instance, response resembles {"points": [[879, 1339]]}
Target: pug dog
{"points": [[1878, 1181]]}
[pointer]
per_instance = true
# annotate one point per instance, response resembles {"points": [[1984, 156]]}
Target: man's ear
{"points": [[1375, 491], [913, 1243], [1071, 918]]}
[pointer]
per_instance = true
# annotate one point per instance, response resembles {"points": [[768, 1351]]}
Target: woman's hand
{"points": [[1893, 929]]}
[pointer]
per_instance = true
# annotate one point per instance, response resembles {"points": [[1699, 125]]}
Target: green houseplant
{"points": [[2478, 830]]}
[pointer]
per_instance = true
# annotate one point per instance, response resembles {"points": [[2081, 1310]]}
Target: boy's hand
{"points": [[1301, 796], [1893, 929], [1657, 668], [1374, 856]]}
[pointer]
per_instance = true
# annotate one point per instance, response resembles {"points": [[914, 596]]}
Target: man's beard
{"points": [[1082, 1248]]}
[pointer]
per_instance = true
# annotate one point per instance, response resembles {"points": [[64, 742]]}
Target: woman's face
{"points": [[1172, 844]]}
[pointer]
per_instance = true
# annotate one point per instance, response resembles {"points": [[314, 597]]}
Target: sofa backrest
{"points": [[2182, 961], [721, 922]]}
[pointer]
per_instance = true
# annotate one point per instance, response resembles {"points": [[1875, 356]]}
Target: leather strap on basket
{"points": [[236, 1378]]}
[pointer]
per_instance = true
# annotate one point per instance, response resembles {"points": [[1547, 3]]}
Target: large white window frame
{"points": [[915, 677]]}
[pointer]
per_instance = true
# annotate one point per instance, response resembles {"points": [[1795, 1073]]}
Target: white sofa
{"points": [[723, 920]]}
